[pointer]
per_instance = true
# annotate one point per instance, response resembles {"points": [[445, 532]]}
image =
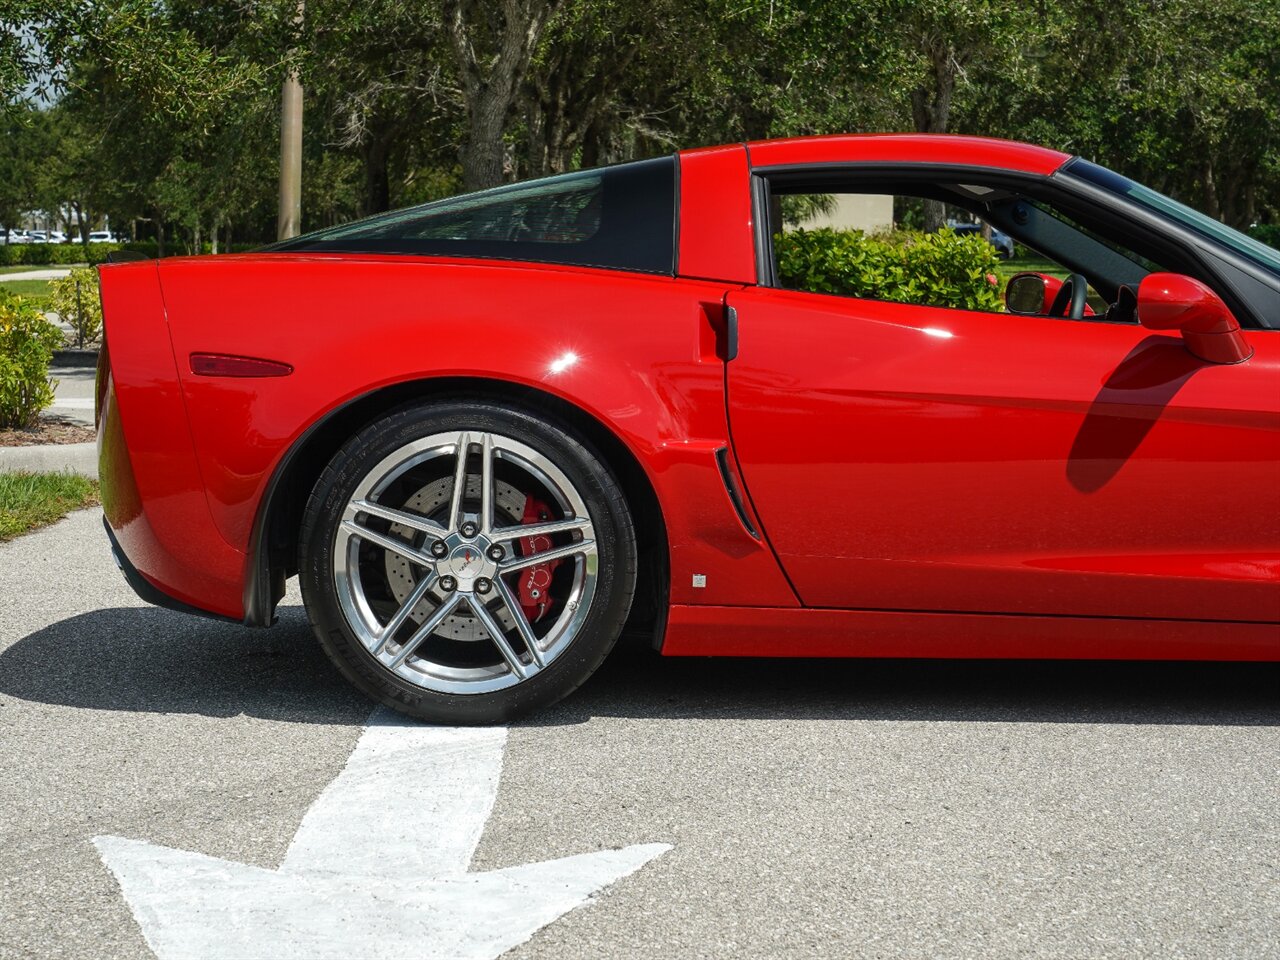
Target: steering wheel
{"points": [[1075, 288]]}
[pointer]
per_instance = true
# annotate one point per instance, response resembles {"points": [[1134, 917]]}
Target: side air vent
{"points": [[731, 487]]}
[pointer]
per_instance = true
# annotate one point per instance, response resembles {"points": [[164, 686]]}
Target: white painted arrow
{"points": [[377, 869]]}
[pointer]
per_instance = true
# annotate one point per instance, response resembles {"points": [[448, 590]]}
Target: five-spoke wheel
{"points": [[460, 573]]}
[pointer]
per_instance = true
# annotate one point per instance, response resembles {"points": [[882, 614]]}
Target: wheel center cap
{"points": [[466, 563]]}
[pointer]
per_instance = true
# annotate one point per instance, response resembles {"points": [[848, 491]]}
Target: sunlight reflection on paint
{"points": [[935, 332], [563, 362]]}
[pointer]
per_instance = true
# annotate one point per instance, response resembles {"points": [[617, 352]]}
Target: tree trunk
{"points": [[931, 109], [377, 179], [1249, 208], [491, 78], [81, 226], [482, 153], [1209, 189], [159, 236], [593, 141]]}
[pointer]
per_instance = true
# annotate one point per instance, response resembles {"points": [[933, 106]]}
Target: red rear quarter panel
{"points": [[635, 352], [153, 494]]}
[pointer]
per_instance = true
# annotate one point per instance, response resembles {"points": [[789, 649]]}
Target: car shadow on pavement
{"points": [[152, 660], [635, 682]]}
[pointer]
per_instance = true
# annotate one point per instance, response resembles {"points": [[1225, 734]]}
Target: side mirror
{"points": [[1027, 294], [1171, 301]]}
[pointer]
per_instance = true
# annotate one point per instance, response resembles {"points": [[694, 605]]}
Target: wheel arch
{"points": [[273, 546]]}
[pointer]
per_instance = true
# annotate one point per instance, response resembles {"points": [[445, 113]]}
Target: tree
{"points": [[166, 110], [947, 47], [379, 73], [1179, 94], [493, 43], [21, 154]]}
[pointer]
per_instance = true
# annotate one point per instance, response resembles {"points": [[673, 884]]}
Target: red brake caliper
{"points": [[536, 580]]}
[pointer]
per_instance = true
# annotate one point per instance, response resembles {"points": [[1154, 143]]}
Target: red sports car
{"points": [[490, 432]]}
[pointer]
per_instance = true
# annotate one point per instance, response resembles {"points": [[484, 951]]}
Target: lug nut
{"points": [[483, 585], [448, 584], [496, 552], [439, 549], [469, 529]]}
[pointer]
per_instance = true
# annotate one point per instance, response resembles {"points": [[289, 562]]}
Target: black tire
{"points": [[613, 532]]}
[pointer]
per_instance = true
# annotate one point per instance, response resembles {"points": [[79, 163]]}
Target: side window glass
{"points": [[560, 210], [622, 217], [902, 248]]}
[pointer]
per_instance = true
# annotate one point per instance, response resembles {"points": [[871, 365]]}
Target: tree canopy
{"points": [[165, 113]]}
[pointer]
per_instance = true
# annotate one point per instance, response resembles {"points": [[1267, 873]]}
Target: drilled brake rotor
{"points": [[433, 501]]}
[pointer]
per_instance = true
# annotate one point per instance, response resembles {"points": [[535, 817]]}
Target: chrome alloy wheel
{"points": [[430, 549]]}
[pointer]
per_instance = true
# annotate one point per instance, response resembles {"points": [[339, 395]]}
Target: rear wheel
{"points": [[466, 563]]}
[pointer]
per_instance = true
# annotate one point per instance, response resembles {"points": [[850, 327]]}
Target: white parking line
{"points": [[378, 867]]}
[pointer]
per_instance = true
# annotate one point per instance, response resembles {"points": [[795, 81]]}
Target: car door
{"points": [[905, 457]]}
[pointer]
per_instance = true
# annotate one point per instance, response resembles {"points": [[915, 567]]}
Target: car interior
{"points": [[1090, 264]]}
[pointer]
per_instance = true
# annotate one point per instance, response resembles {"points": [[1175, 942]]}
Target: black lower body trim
{"points": [[147, 590]]}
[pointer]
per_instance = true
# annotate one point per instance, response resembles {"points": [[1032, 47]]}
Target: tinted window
{"points": [[1158, 202], [621, 217], [872, 245]]}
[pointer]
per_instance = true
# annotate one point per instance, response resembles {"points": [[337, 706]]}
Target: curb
{"points": [[81, 458]]}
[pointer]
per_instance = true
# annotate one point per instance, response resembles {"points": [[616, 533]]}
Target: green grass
{"points": [[31, 500], [1008, 268], [35, 289], [27, 288], [1031, 263], [27, 267]]}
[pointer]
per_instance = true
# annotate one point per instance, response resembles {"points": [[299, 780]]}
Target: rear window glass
{"points": [[622, 217]]}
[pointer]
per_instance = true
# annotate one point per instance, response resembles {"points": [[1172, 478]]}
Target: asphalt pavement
{"points": [[815, 809], [73, 393]]}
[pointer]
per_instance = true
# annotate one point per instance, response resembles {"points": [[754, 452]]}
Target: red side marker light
{"points": [[221, 365]]}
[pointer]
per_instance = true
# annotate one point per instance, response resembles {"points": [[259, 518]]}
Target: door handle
{"points": [[730, 333]]}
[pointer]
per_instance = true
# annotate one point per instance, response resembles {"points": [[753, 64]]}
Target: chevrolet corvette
{"points": [[491, 433]]}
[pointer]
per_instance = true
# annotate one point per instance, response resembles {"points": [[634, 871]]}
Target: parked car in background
{"points": [[1001, 241], [37, 236], [57, 236], [102, 236], [19, 236], [593, 400]]}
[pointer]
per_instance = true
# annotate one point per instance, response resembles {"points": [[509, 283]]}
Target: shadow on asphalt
{"points": [[634, 682], [152, 660], [147, 659]]}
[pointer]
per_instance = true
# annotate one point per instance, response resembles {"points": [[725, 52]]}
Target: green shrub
{"points": [[1268, 233], [940, 269], [27, 342], [53, 254], [23, 254], [76, 300], [38, 255], [151, 249]]}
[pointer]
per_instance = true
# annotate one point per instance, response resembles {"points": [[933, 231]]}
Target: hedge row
{"points": [[940, 269], [61, 254], [43, 254]]}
